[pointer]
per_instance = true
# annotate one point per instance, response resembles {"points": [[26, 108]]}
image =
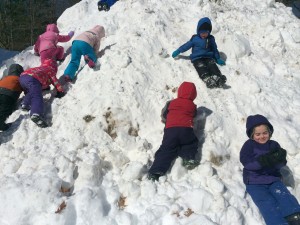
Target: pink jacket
{"points": [[45, 74], [92, 37], [49, 39]]}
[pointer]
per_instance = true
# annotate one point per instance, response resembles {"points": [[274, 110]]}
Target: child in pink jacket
{"points": [[33, 81], [46, 45], [86, 44]]}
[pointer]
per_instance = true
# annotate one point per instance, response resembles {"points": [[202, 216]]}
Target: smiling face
{"points": [[261, 134]]}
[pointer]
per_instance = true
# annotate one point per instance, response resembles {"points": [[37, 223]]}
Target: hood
{"points": [[51, 63], [99, 31], [187, 90], [52, 27], [15, 69], [204, 24], [256, 120]]}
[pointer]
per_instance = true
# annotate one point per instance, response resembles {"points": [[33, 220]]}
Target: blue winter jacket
{"points": [[108, 2], [253, 172], [201, 48]]}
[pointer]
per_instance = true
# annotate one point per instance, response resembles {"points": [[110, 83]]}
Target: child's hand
{"points": [[175, 53], [221, 62], [71, 34]]}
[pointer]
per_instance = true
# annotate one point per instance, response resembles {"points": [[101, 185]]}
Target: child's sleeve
{"points": [[247, 157], [164, 112], [63, 38], [55, 82], [185, 47], [215, 48]]}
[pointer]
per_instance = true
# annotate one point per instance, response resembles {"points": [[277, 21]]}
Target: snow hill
{"points": [[104, 133]]}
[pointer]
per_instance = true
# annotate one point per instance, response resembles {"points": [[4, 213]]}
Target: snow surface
{"points": [[105, 131]]}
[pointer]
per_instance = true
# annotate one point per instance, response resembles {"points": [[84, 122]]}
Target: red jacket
{"points": [[45, 74], [181, 111]]}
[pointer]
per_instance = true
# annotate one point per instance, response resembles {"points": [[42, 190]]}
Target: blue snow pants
{"points": [[33, 94], [274, 202], [177, 141], [79, 48]]}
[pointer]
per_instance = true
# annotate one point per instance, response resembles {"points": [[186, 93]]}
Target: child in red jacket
{"points": [[46, 45], [33, 81], [10, 90], [179, 138]]}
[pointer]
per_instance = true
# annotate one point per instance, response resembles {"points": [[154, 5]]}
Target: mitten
{"points": [[60, 94], [71, 34], [175, 53], [272, 158], [220, 62]]}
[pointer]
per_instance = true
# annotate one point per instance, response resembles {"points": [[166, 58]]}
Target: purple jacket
{"points": [[253, 172]]}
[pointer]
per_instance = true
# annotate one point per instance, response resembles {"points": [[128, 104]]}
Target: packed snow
{"points": [[90, 167]]}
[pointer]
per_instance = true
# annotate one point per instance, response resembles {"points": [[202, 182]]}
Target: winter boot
{"points": [[293, 219], [211, 81], [39, 121], [67, 79], [190, 163], [25, 107], [222, 80], [103, 6], [154, 176], [89, 61]]}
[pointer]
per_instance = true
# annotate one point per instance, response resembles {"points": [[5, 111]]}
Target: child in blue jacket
{"points": [[262, 159], [204, 55]]}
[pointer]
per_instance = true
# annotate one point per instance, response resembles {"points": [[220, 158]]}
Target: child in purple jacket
{"points": [[262, 159]]}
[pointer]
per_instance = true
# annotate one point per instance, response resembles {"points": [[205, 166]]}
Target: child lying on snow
{"points": [[204, 55], [262, 159], [179, 138]]}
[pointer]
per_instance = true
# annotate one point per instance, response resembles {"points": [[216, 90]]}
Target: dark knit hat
{"points": [[15, 69], [204, 28]]}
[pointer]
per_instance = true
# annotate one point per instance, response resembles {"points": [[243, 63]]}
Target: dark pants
{"points": [[274, 202], [7, 106], [177, 141], [206, 67], [33, 94]]}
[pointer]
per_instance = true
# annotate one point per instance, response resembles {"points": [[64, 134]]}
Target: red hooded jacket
{"points": [[45, 74], [181, 111]]}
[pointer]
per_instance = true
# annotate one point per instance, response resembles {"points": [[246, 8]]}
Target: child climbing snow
{"points": [[33, 81], [262, 159], [86, 44], [105, 4], [179, 138], [204, 55], [10, 90], [46, 45]]}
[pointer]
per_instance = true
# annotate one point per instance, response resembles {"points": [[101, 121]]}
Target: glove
{"points": [[272, 158], [175, 53], [71, 34], [220, 62], [60, 94]]}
